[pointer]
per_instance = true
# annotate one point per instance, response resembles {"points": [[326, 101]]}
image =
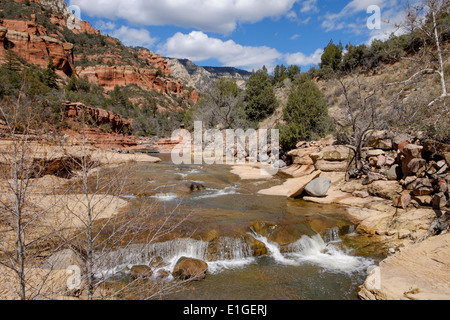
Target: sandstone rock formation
{"points": [[30, 42], [141, 272], [74, 112], [35, 44], [110, 76], [417, 272], [292, 187]]}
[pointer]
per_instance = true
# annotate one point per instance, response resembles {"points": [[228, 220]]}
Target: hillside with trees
{"points": [[82, 65]]}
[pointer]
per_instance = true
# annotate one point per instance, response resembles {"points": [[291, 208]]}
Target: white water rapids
{"points": [[315, 251], [233, 253]]}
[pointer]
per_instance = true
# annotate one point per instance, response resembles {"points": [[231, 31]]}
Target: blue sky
{"points": [[246, 34]]}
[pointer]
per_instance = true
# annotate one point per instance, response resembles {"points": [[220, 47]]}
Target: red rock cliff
{"points": [[146, 78], [117, 123], [30, 42]]}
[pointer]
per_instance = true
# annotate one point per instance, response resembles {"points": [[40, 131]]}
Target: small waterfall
{"points": [[331, 235], [233, 249], [273, 249], [314, 250], [308, 246], [351, 229], [231, 253]]}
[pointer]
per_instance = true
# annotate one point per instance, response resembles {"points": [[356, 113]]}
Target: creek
{"points": [[257, 247]]}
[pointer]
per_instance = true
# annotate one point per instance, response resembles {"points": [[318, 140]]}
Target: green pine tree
{"points": [[305, 115], [12, 63], [293, 72], [260, 100], [49, 76], [73, 84], [11, 68], [332, 56]]}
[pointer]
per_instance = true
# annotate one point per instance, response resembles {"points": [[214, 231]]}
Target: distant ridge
{"points": [[201, 78], [231, 70]]}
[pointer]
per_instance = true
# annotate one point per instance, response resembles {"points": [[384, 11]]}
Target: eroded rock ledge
{"points": [[417, 272]]}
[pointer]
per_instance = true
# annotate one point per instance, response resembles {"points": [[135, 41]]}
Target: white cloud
{"points": [[105, 25], [292, 16], [220, 16], [295, 36], [309, 6], [133, 37], [198, 46], [301, 59]]}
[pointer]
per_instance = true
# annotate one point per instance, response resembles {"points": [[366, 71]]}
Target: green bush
{"points": [[332, 56], [305, 115], [260, 100]]}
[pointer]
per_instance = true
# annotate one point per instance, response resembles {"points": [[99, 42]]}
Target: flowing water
{"points": [[309, 251]]}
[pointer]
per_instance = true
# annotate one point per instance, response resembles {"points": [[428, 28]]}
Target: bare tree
{"points": [[23, 213], [109, 234], [89, 217], [427, 107], [361, 115], [222, 107], [423, 17]]}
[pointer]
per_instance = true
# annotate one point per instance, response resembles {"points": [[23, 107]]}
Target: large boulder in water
{"points": [[318, 187], [189, 187], [190, 269], [141, 272]]}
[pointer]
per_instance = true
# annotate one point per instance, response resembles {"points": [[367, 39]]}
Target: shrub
{"points": [[260, 100], [306, 114]]}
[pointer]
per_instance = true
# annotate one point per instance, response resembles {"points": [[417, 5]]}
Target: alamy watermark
{"points": [[374, 21], [74, 281], [74, 19], [233, 147]]}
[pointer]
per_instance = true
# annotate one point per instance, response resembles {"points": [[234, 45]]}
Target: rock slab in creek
{"points": [[318, 187], [292, 187]]}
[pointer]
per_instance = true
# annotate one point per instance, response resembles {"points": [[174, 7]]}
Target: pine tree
{"points": [[11, 60], [306, 114], [260, 100], [332, 56], [73, 84], [49, 75], [293, 71], [11, 69]]}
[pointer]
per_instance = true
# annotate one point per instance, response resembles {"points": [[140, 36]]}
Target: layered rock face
{"points": [[30, 42], [157, 76], [417, 272], [118, 124], [106, 129], [156, 61], [35, 44], [110, 76]]}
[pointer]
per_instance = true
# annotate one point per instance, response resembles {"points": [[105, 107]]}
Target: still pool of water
{"points": [[311, 251]]}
